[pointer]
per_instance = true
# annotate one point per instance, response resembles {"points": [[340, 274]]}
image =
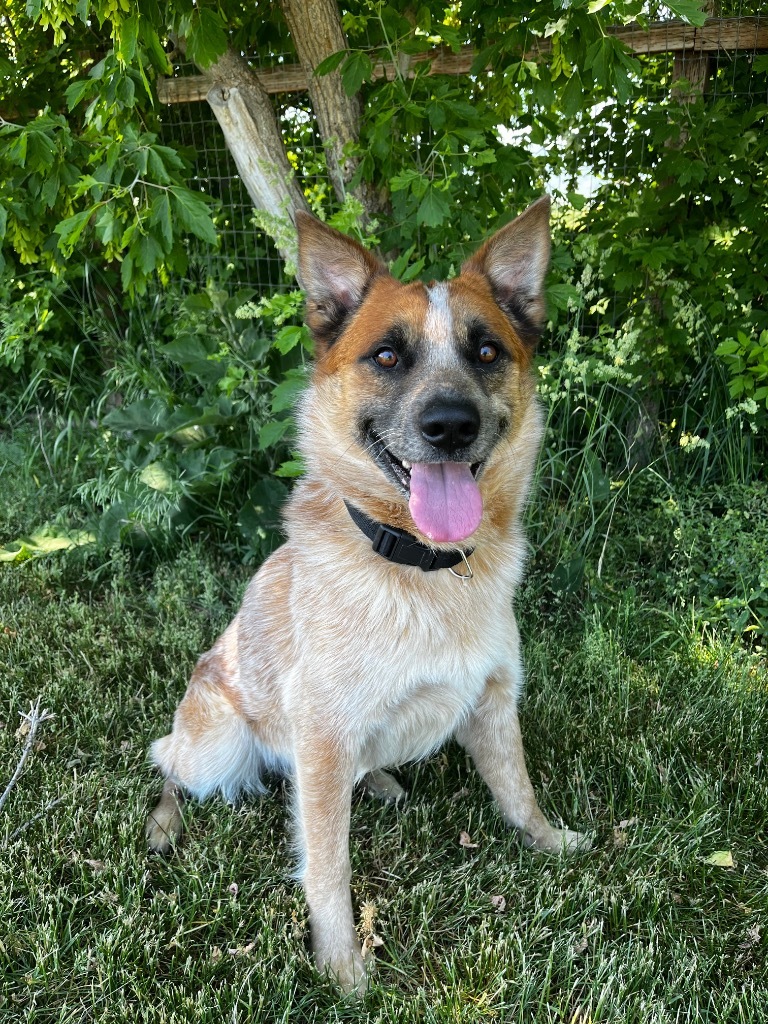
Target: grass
{"points": [[641, 724]]}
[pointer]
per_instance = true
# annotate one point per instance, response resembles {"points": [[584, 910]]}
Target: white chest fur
{"points": [[403, 664]]}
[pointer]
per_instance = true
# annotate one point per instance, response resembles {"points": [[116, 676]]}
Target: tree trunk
{"points": [[316, 31], [247, 118]]}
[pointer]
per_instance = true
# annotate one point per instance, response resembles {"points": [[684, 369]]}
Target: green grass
{"points": [[641, 725]]}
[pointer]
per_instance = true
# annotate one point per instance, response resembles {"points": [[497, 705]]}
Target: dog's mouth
{"points": [[443, 497]]}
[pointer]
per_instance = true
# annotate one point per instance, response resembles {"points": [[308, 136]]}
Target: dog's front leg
{"points": [[324, 780], [492, 736]]}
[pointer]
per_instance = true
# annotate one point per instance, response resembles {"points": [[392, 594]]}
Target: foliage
{"points": [[89, 171], [35, 333], [717, 567], [96, 178], [747, 359], [201, 436], [191, 429], [656, 298]]}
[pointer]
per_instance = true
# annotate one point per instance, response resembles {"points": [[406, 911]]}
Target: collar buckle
{"points": [[386, 541]]}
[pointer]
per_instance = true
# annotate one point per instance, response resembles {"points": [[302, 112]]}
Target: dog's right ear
{"points": [[335, 273]]}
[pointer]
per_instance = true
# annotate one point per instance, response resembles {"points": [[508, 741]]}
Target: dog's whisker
{"points": [[367, 448]]}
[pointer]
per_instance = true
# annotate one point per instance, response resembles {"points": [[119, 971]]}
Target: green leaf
{"points": [[126, 91], [481, 158], [129, 32], [688, 10], [288, 338], [397, 266], [193, 355], [291, 469], [161, 215], [156, 166], [193, 213], [206, 38], [449, 35], [17, 151], [50, 190], [76, 90], [149, 254], [261, 512], [408, 179], [70, 229], [600, 60], [561, 296], [623, 84], [486, 57], [413, 271], [107, 225], [271, 432], [597, 481], [142, 417], [325, 67], [434, 208], [126, 272], [572, 96], [288, 390], [154, 48], [357, 69]]}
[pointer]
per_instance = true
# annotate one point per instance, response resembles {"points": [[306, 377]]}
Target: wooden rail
{"points": [[715, 35]]}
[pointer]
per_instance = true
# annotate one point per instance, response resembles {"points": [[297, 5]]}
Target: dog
{"points": [[384, 624]]}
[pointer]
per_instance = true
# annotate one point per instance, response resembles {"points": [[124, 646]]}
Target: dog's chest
{"points": [[422, 708], [408, 670]]}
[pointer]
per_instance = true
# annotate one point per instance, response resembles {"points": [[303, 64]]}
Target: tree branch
{"points": [[247, 119], [316, 32]]}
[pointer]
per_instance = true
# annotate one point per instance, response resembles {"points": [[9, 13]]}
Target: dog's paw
{"points": [[574, 842], [348, 971], [165, 824], [383, 786], [558, 840]]}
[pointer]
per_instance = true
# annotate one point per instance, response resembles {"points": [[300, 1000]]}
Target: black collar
{"points": [[399, 546]]}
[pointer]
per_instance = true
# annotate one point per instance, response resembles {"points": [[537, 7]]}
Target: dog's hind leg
{"points": [[165, 823], [492, 737], [211, 749]]}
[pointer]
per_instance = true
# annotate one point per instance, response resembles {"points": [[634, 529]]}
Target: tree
{"points": [[91, 164]]}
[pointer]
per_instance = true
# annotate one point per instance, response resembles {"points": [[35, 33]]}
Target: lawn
{"points": [[644, 725]]}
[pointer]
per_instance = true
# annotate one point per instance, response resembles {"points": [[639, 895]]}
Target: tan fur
{"points": [[339, 663]]}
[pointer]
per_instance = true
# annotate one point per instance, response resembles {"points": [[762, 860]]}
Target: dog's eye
{"points": [[488, 353], [386, 357]]}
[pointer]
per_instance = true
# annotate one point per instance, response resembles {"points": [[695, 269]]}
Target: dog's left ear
{"points": [[515, 262], [335, 273]]}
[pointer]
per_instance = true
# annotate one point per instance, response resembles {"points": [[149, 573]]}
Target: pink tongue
{"points": [[445, 501]]}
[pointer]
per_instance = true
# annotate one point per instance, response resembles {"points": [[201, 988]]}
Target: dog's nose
{"points": [[450, 424]]}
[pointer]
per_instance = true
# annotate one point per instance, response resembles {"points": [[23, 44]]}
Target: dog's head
{"points": [[422, 409]]}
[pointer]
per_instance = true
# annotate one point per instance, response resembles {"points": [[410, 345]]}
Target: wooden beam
{"points": [[717, 35], [714, 36]]}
